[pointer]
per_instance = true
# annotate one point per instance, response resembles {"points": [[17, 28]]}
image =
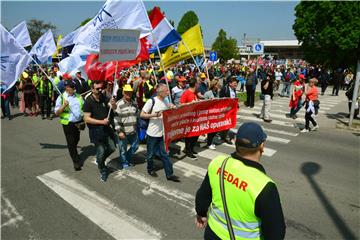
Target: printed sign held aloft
{"points": [[118, 44]]}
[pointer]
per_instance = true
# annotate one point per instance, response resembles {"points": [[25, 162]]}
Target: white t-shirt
{"points": [[155, 128], [278, 76]]}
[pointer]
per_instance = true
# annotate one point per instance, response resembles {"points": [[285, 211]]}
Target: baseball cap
{"points": [[202, 75], [127, 88], [69, 83], [250, 135], [182, 79], [301, 76]]}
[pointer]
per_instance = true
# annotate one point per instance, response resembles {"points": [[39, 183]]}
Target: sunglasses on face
{"points": [[98, 89]]}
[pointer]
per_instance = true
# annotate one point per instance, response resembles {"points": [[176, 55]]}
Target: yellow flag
{"points": [[58, 46], [179, 52]]}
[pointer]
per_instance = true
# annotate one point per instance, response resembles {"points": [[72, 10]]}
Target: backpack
{"points": [[144, 123]]}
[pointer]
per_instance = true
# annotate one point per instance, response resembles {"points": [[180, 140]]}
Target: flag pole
{"points": [[114, 87], [157, 48], [192, 56]]}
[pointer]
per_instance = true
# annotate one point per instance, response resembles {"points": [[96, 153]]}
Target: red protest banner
{"points": [[199, 118]]}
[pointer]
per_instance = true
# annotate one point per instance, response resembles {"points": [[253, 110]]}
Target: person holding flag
{"points": [[45, 91]]}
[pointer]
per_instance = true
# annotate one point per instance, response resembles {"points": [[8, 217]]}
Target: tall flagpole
{"points": [[158, 50], [114, 87], [192, 56]]}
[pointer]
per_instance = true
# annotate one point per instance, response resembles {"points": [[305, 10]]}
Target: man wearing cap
{"points": [[203, 86], [69, 107], [252, 199], [178, 90], [296, 96], [125, 126], [80, 83]]}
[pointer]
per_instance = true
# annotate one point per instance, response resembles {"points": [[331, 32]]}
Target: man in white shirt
{"points": [[152, 110]]}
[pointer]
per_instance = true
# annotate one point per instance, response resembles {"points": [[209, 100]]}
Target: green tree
{"points": [[37, 28], [329, 32], [188, 20], [226, 47]]}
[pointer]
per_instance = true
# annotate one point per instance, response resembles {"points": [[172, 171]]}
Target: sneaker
{"points": [[267, 120], [152, 173], [191, 156], [228, 141], [173, 178], [194, 152], [212, 147], [103, 176], [304, 130], [315, 128], [43, 117], [125, 166]]}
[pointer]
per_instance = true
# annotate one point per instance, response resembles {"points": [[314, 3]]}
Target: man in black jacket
{"points": [[228, 91], [81, 85]]}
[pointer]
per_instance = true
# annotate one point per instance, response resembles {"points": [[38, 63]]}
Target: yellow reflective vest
{"points": [[65, 115], [242, 186]]}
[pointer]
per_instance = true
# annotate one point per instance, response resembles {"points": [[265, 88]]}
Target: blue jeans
{"points": [[126, 154], [5, 107], [104, 149], [154, 144], [286, 89]]}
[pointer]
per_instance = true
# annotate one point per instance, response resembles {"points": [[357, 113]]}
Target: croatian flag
{"points": [[165, 34]]}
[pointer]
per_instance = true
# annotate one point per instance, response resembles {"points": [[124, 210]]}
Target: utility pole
{"points": [[355, 94]]}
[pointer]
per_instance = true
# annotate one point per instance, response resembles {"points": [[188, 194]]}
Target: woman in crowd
{"points": [[29, 95], [295, 101], [311, 103]]}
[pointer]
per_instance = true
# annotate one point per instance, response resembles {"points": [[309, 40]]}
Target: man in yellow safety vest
{"points": [[252, 208]]}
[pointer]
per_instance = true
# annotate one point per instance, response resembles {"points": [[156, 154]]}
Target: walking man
{"points": [[69, 107], [100, 133]]}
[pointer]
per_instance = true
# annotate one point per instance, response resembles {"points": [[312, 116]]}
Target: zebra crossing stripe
{"points": [[276, 122], [280, 110], [98, 209], [271, 130]]}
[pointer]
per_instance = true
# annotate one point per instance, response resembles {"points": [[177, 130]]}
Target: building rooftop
{"points": [[281, 43]]}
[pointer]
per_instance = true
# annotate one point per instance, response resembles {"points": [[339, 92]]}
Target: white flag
{"points": [[115, 14], [14, 58], [71, 64], [21, 34], [70, 38], [44, 47]]}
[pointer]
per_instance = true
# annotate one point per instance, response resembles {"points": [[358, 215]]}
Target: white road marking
{"points": [[190, 170], [257, 110], [276, 122], [8, 210], [116, 222], [271, 130]]}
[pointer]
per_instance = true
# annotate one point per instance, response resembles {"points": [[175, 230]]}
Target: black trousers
{"points": [[308, 119], [72, 135], [323, 87], [336, 88], [190, 144], [250, 95], [45, 102]]}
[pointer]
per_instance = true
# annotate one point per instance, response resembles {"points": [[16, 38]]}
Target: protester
{"points": [[324, 78], [228, 91], [267, 92], [69, 108], [125, 126], [242, 81], [348, 79], [178, 90], [29, 98], [278, 77], [45, 90], [80, 83], [296, 97], [203, 86], [189, 96], [337, 79], [252, 199], [287, 83], [349, 94], [152, 110], [311, 103], [100, 133], [251, 82], [5, 103], [213, 93]]}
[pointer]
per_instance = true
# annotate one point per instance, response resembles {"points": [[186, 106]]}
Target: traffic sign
{"points": [[213, 56], [258, 48]]}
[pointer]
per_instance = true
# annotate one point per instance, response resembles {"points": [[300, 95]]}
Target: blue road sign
{"points": [[258, 48], [213, 56]]}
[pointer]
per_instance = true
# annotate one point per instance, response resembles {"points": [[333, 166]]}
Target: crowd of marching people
{"points": [[127, 112]]}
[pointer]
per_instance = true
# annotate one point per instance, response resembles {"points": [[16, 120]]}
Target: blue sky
{"points": [[265, 20]]}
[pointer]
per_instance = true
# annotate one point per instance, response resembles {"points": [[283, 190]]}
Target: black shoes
{"points": [[173, 178], [191, 156], [153, 173], [228, 141]]}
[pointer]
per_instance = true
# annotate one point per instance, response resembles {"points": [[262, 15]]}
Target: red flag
{"points": [[96, 70]]}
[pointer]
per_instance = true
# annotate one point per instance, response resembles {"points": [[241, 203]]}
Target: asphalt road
{"points": [[317, 174]]}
